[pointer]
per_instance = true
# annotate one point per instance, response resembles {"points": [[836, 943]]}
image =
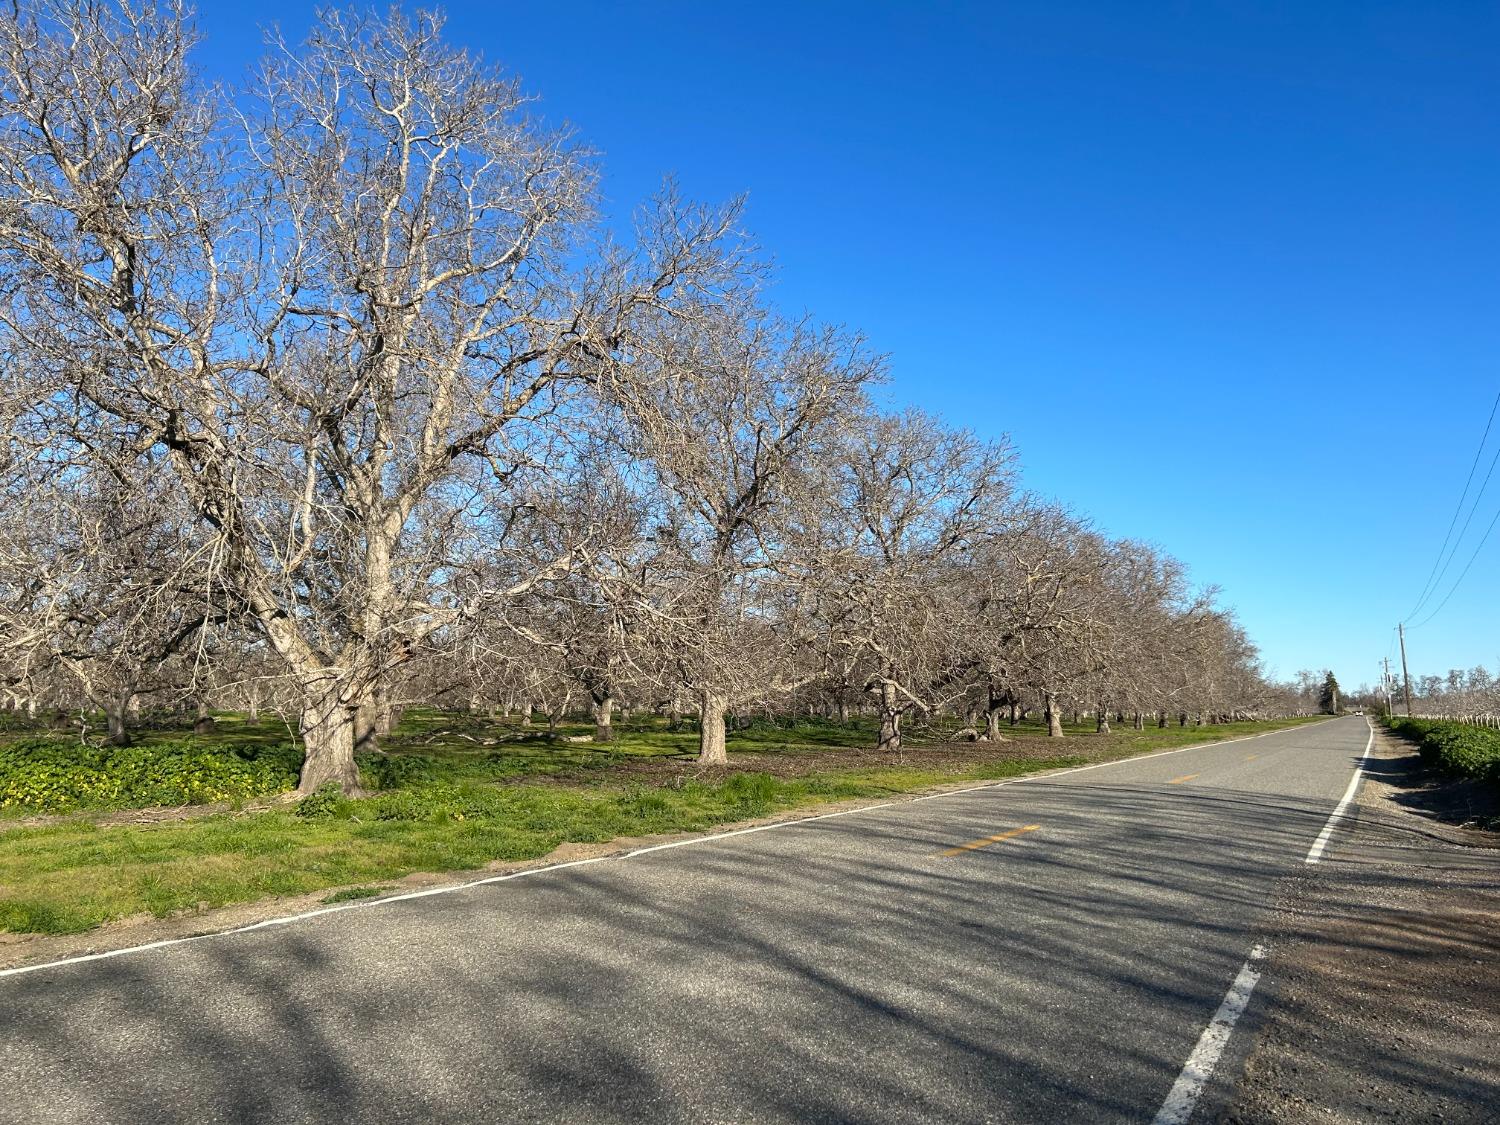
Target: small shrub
{"points": [[392, 771], [325, 801]]}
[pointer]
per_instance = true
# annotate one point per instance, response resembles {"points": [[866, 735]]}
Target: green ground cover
{"points": [[1452, 748], [455, 793]]}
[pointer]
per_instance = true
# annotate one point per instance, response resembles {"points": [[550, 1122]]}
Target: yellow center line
{"points": [[1180, 780], [1252, 757], [988, 840]]}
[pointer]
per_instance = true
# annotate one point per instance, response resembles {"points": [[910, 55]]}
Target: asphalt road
{"points": [[859, 968]]}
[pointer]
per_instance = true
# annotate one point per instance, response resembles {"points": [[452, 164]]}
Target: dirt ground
{"points": [[1384, 976]]}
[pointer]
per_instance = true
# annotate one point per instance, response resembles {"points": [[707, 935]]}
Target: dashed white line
{"points": [[1199, 1067], [1315, 853]]}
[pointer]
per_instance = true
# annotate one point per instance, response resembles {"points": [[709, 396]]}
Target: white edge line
{"points": [[1315, 853], [453, 887], [1199, 1068]]}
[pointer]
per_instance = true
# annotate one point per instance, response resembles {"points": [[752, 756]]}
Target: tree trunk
{"points": [[366, 718], [992, 723], [1102, 726], [711, 748], [843, 711], [253, 703], [889, 739], [118, 720], [1054, 716], [328, 725], [1140, 721], [1015, 713], [525, 712], [387, 714], [604, 712]]}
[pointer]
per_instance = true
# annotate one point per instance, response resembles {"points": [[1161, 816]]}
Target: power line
{"points": [[1464, 573], [1434, 579]]}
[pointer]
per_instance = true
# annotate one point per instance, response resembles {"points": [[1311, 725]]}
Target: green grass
{"points": [[468, 809]]}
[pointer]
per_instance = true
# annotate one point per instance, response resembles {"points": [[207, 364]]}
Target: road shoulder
{"points": [[1386, 965]]}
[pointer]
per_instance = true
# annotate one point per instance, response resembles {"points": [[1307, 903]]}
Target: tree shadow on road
{"points": [[842, 971]]}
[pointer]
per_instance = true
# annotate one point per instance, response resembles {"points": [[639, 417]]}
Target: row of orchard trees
{"points": [[335, 388], [1460, 694]]}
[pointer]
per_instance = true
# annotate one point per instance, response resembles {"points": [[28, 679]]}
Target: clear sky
{"points": [[1227, 273]]}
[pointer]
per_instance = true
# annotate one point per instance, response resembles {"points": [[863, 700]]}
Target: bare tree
{"points": [[910, 505], [725, 408], [344, 315]]}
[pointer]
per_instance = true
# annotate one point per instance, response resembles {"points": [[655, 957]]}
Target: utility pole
{"points": [[1405, 675], [1385, 683]]}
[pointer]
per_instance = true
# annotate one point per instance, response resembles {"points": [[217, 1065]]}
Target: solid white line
{"points": [[1315, 853], [454, 887], [1199, 1067]]}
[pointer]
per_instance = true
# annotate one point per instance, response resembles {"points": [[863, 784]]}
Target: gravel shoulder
{"points": [[1385, 967]]}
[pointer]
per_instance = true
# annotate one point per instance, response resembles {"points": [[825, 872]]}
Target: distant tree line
{"points": [[333, 393]]}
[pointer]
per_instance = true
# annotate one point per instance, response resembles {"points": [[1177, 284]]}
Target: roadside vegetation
{"points": [[451, 794], [1454, 748]]}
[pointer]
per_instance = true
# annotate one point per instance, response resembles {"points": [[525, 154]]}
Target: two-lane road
{"points": [[1049, 949]]}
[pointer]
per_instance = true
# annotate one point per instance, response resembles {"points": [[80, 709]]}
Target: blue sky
{"points": [[1227, 273]]}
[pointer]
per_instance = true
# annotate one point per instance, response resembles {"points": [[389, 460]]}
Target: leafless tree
{"points": [[724, 410], [347, 313]]}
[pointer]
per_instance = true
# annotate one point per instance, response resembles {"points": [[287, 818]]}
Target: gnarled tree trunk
{"points": [[1054, 716], [711, 747], [890, 719], [117, 719], [328, 731], [604, 715], [992, 723]]}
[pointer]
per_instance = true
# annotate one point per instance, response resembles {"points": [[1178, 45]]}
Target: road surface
{"points": [[1046, 950]]}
